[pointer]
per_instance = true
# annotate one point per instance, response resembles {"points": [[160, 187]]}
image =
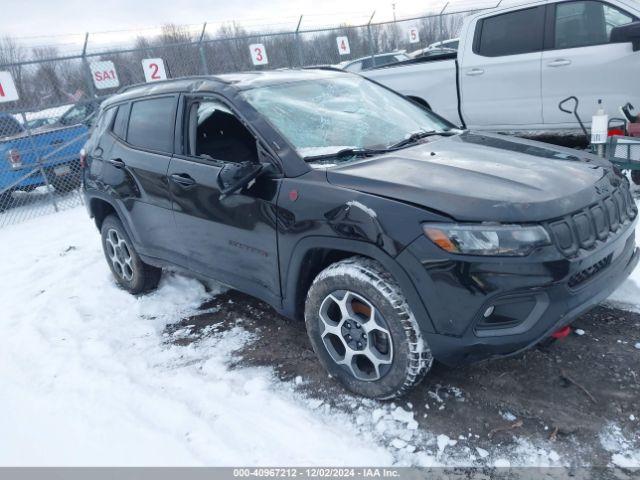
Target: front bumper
{"points": [[532, 297]]}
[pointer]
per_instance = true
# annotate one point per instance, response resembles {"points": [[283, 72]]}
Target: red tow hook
{"points": [[562, 333]]}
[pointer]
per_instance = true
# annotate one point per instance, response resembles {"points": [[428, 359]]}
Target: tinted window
{"points": [[77, 114], [105, 121], [580, 24], [120, 123], [512, 33], [151, 124]]}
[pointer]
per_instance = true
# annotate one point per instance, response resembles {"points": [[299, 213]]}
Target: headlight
{"points": [[504, 240]]}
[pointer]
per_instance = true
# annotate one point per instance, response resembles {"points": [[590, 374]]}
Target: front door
{"points": [[230, 238], [500, 72], [580, 61]]}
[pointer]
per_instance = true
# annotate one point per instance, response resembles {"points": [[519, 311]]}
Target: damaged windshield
{"points": [[343, 116]]}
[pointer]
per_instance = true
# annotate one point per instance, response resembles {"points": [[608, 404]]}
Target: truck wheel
{"points": [[363, 330], [66, 183], [635, 176], [130, 272], [5, 201]]}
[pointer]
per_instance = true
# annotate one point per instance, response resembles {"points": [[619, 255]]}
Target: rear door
{"points": [[580, 61], [135, 172], [231, 238], [500, 69]]}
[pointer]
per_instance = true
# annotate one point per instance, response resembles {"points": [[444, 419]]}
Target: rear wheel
{"points": [[5, 200], [64, 183], [363, 330], [129, 270]]}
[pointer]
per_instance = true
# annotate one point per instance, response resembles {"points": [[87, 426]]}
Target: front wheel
{"points": [[129, 270], [363, 330]]}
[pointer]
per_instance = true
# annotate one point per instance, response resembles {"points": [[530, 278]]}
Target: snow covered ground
{"points": [[89, 377]]}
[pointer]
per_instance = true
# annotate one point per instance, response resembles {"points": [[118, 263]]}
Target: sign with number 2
{"points": [[8, 91], [343, 45], [154, 69], [258, 54]]}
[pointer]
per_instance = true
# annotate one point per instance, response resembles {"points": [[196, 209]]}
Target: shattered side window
{"points": [[321, 116]]}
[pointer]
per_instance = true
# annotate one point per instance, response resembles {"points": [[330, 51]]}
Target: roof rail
{"points": [[169, 80]]}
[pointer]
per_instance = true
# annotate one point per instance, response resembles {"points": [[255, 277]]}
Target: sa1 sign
{"points": [[154, 69], [8, 90], [414, 35], [104, 75], [258, 54], [343, 45]]}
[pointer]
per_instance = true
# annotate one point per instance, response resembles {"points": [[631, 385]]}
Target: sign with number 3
{"points": [[154, 69], [258, 54], [8, 91], [343, 45]]}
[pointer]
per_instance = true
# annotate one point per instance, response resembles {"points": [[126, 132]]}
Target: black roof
{"points": [[212, 83]]}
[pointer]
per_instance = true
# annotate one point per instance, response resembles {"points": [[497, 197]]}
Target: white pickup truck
{"points": [[515, 64]]}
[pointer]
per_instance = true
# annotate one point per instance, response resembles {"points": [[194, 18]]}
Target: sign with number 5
{"points": [[343, 45], [8, 91], [414, 35], [258, 54], [153, 69]]}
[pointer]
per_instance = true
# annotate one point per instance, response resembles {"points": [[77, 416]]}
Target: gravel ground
{"points": [[567, 396]]}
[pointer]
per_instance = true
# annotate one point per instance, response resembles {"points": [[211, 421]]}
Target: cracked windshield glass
{"points": [[326, 116]]}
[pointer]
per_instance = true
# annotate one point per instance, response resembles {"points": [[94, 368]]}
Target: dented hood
{"points": [[472, 177]]}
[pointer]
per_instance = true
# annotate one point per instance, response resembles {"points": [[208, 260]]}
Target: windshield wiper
{"points": [[414, 137], [347, 152]]}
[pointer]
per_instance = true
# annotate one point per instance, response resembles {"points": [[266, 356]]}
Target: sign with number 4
{"points": [[258, 54], [153, 69], [343, 45], [414, 35], [8, 91]]}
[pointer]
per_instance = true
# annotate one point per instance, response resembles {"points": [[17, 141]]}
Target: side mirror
{"points": [[233, 176], [627, 33]]}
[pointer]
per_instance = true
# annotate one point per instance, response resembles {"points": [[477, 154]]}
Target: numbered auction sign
{"points": [[8, 90], [343, 45], [414, 35], [104, 75], [258, 54], [154, 69]]}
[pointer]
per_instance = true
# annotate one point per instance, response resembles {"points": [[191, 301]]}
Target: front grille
{"points": [[596, 223], [584, 275]]}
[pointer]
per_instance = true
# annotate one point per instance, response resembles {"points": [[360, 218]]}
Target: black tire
{"points": [[370, 292], [66, 183], [6, 201], [129, 270], [635, 176]]}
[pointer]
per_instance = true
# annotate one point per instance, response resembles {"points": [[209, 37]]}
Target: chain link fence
{"points": [[48, 100]]}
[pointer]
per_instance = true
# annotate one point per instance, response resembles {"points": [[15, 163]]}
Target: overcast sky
{"points": [[26, 18]]}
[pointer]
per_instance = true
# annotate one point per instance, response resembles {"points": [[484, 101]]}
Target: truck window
{"points": [[151, 124], [586, 23], [9, 126], [216, 132], [511, 33]]}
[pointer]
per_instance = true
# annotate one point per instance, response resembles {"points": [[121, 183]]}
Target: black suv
{"points": [[398, 237]]}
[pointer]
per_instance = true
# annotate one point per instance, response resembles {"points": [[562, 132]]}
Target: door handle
{"points": [[559, 62], [117, 162], [475, 72], [183, 179]]}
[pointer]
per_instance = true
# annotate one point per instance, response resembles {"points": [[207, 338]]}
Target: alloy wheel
{"points": [[119, 254], [356, 335]]}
